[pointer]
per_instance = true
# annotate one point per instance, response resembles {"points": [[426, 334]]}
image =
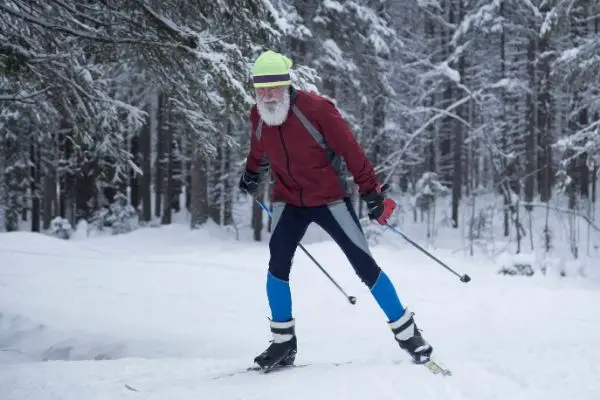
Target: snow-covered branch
{"points": [[24, 97]]}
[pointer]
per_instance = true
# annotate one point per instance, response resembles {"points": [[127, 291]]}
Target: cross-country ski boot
{"points": [[409, 338], [282, 351]]}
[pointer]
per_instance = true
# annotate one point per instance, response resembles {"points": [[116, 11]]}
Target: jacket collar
{"points": [[293, 95]]}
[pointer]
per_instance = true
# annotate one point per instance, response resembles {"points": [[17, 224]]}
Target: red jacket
{"points": [[305, 173]]}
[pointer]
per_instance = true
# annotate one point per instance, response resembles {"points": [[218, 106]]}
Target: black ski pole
{"points": [[351, 299], [463, 278]]}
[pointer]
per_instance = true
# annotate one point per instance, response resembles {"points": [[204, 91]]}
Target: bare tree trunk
{"points": [[429, 222], [504, 114], [226, 213], [27, 174], [472, 224], [198, 195], [167, 193], [2, 190], [213, 182], [257, 214], [457, 173], [50, 197], [177, 167], [24, 209], [220, 186], [188, 186], [470, 167], [146, 165], [167, 159], [530, 140], [65, 150], [531, 233], [134, 177], [457, 180], [70, 209], [531, 136], [225, 209], [35, 186], [594, 179], [517, 225], [544, 119], [159, 176]]}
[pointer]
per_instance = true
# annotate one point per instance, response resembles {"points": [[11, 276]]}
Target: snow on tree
{"points": [[80, 63], [148, 101]]}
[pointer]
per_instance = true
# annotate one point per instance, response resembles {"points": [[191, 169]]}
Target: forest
{"points": [[120, 109]]}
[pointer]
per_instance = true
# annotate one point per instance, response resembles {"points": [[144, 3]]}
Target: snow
{"points": [[446, 70], [280, 21], [334, 56], [511, 85], [548, 24], [334, 5], [303, 33], [160, 313], [486, 14], [379, 44], [532, 8], [569, 54], [429, 3]]}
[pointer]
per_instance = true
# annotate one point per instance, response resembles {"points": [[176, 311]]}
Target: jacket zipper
{"points": [[287, 161]]}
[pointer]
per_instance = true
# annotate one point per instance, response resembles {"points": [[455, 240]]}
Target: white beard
{"points": [[274, 112]]}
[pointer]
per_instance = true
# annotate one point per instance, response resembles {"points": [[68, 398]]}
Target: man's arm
{"points": [[340, 139], [256, 161]]}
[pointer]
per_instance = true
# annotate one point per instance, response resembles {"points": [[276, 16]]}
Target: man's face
{"points": [[271, 94], [273, 104]]}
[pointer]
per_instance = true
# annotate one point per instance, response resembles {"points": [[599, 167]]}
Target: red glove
{"points": [[380, 208]]}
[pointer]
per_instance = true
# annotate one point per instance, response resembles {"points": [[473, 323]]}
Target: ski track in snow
{"points": [[167, 313]]}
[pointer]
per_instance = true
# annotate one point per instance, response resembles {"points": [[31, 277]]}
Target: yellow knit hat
{"points": [[271, 69]]}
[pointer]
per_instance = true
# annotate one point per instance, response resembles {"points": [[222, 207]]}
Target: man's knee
{"points": [[368, 272], [282, 254], [288, 232], [280, 271], [363, 263], [346, 231]]}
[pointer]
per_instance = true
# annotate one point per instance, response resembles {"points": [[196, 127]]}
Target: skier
{"points": [[304, 139]]}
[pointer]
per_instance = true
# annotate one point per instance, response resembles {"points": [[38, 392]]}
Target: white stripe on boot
{"points": [[409, 331]]}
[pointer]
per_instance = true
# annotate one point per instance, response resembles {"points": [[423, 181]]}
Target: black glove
{"points": [[249, 182], [380, 208]]}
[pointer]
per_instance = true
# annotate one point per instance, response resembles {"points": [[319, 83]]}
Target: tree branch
{"points": [[24, 98], [97, 38], [76, 12], [189, 40]]}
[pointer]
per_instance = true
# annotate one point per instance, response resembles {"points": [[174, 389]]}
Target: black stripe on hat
{"points": [[271, 78]]}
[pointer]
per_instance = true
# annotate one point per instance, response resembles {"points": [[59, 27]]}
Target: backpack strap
{"points": [[258, 131], [314, 132]]}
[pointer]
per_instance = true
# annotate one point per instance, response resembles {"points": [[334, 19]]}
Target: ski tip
{"points": [[437, 369]]}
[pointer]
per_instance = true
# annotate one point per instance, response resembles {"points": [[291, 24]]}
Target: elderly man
{"points": [[306, 142]]}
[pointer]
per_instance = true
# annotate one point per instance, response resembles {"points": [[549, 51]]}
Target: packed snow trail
{"points": [[160, 313]]}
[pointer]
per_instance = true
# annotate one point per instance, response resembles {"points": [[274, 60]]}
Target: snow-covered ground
{"points": [[163, 313]]}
